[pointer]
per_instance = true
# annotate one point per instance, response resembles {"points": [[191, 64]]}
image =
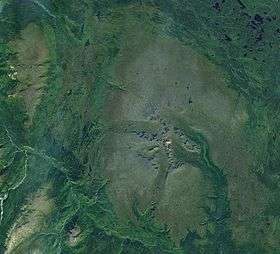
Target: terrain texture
{"points": [[139, 126]]}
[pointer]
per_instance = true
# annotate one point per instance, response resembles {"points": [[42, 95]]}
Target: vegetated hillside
{"points": [[139, 126]]}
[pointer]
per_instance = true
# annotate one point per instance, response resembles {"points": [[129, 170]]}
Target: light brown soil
{"points": [[31, 65], [167, 76]]}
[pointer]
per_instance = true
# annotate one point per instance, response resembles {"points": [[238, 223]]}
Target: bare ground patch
{"points": [[31, 65], [167, 76]]}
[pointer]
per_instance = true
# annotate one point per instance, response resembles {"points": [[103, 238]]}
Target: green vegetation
{"points": [[113, 113]]}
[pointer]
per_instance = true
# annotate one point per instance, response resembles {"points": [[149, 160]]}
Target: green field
{"points": [[147, 126]]}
